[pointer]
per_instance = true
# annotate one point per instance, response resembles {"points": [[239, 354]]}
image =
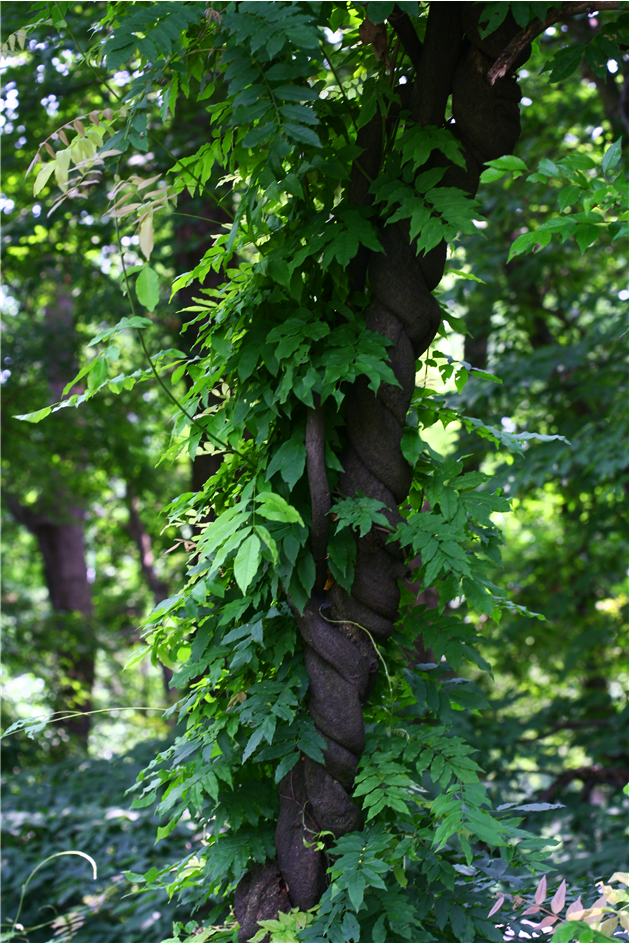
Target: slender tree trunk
{"points": [[194, 234], [158, 587]]}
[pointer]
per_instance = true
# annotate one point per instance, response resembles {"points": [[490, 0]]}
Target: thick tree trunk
{"points": [[340, 658], [62, 546]]}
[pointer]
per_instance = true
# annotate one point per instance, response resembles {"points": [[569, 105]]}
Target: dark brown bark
{"points": [[319, 491], [62, 546], [511, 54], [197, 226], [405, 30], [57, 524]]}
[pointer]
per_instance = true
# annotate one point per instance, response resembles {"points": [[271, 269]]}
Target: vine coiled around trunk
{"points": [[340, 659]]}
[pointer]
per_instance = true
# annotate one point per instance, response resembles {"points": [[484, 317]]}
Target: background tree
{"points": [[554, 334]]}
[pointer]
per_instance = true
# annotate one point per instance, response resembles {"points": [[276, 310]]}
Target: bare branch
{"points": [[504, 63]]}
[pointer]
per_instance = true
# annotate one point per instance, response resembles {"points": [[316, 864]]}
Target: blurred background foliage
{"points": [[87, 485]]}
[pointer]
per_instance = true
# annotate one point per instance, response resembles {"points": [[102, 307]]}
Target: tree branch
{"points": [[319, 491], [569, 725], [505, 60], [590, 776], [143, 542], [405, 31]]}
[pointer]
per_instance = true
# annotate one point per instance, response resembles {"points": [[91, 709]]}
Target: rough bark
{"points": [[340, 658]]}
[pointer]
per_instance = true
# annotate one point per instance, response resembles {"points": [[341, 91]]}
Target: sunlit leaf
{"points": [[247, 562], [147, 288], [43, 176]]}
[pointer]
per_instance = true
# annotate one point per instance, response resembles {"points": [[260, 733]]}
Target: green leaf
{"points": [[492, 16], [356, 889], [123, 324], [342, 556], [43, 176], [259, 135], [548, 167], [448, 502], [343, 248], [264, 732], [586, 235], [564, 63], [299, 113], [411, 445], [528, 241], [379, 10], [266, 538], [491, 175], [97, 373], [379, 933], [467, 275], [360, 512], [227, 525], [611, 156], [37, 416], [306, 571], [302, 134], [460, 379], [275, 508], [568, 196], [508, 162], [247, 562], [147, 288], [285, 765], [289, 460]]}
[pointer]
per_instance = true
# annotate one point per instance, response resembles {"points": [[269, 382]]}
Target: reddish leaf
{"points": [[559, 899], [532, 910], [496, 906], [575, 908], [547, 922], [540, 893]]}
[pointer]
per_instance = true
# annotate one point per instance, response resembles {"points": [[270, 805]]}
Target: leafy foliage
{"points": [[83, 807], [285, 103], [602, 197]]}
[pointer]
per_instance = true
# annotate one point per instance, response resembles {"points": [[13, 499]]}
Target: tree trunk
{"points": [[340, 659], [158, 587], [62, 546], [57, 523], [194, 235]]}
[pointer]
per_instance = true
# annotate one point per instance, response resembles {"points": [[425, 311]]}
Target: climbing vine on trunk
{"points": [[352, 138]]}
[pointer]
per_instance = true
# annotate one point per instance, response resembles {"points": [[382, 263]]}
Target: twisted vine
{"points": [[341, 661]]}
